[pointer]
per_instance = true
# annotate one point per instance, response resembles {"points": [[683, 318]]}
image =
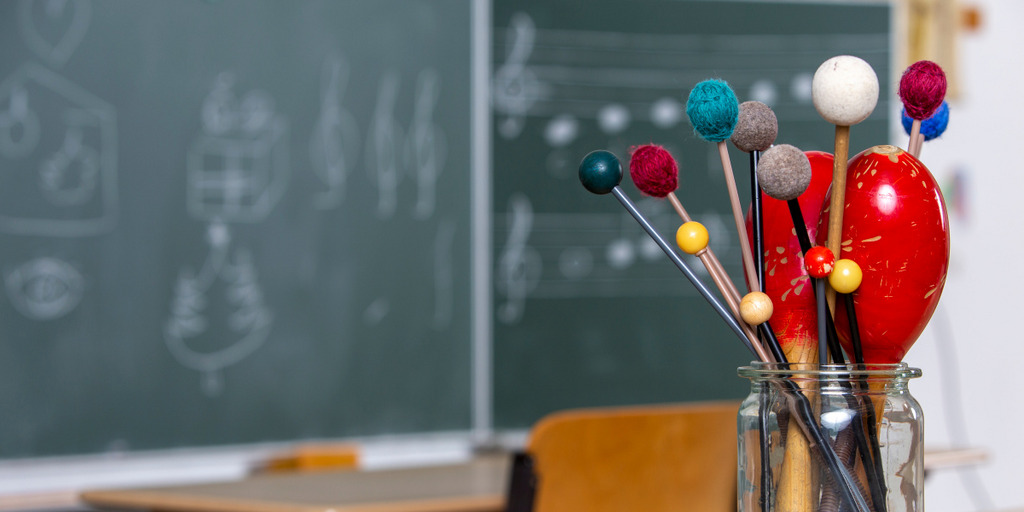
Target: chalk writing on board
{"points": [[58, 160], [384, 146], [570, 255], [44, 288], [515, 86], [248, 324], [237, 172], [73, 160], [427, 141], [53, 30], [238, 166], [334, 146], [519, 266]]}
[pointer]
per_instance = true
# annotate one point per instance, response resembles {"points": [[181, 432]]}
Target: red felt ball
{"points": [[653, 170], [819, 261], [922, 89]]}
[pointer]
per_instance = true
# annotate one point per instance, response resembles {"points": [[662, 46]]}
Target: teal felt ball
{"points": [[713, 110], [600, 171]]}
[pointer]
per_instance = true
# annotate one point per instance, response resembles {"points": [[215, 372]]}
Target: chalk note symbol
{"points": [[333, 145], [248, 324], [19, 125], [427, 142], [516, 87], [519, 266], [385, 145], [44, 288], [53, 29]]}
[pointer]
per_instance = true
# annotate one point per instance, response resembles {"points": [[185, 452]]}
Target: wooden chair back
{"points": [[645, 458]]}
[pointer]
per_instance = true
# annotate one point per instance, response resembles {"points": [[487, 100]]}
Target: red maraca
{"points": [[895, 227], [786, 282]]}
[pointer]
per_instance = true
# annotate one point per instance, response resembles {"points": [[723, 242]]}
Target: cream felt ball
{"points": [[844, 90]]}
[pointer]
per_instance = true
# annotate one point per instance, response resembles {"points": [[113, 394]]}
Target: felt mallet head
{"points": [[922, 89], [844, 90], [653, 170], [713, 110], [756, 127], [784, 172]]}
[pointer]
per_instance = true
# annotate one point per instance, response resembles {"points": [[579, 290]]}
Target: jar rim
{"points": [[758, 369]]}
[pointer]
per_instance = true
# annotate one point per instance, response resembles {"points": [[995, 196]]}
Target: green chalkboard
{"points": [[588, 311], [227, 222]]}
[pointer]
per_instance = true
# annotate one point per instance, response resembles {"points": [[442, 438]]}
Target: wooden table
{"points": [[479, 485], [475, 486]]}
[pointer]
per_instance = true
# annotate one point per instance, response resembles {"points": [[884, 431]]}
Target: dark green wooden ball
{"points": [[600, 171]]}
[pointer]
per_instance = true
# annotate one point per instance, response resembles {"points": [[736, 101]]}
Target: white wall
{"points": [[975, 337]]}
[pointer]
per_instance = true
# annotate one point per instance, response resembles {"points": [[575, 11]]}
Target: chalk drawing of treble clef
{"points": [[384, 146], [427, 144], [516, 87], [520, 266], [334, 145]]}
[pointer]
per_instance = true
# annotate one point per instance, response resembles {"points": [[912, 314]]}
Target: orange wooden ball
{"points": [[756, 308]]}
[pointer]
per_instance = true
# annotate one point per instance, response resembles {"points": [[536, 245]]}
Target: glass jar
{"points": [[830, 439]]}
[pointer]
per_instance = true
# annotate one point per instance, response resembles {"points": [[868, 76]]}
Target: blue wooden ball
{"points": [[600, 171]]}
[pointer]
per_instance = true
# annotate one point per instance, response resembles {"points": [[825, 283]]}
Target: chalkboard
{"points": [[588, 311], [225, 222]]}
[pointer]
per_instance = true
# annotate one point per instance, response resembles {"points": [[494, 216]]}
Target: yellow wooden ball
{"points": [[756, 308], [692, 237], [846, 276]]}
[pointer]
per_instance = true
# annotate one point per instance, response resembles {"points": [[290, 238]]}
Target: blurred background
{"points": [[229, 226]]}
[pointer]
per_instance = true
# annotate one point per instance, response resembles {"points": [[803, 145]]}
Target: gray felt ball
{"points": [[784, 172], [756, 128]]}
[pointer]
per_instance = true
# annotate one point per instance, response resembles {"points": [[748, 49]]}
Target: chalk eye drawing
{"points": [[195, 337], [238, 167], [333, 147], [53, 29], [516, 87], [384, 146], [44, 288], [427, 142], [519, 266], [56, 178]]}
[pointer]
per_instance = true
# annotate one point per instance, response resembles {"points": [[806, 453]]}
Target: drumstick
{"points": [[844, 91]]}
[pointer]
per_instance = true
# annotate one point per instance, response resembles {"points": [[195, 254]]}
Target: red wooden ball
{"points": [[819, 261]]}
